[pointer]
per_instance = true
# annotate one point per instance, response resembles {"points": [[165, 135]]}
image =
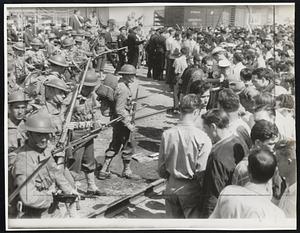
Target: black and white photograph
{"points": [[150, 116]]}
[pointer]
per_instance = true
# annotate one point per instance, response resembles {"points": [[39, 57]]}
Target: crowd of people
{"points": [[232, 155]]}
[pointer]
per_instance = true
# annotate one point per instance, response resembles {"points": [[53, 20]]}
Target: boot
{"points": [[92, 188], [127, 173], [104, 172]]}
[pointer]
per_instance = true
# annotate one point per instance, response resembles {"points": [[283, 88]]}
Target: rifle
{"points": [[62, 140], [82, 140]]}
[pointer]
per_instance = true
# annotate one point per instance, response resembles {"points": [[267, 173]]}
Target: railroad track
{"points": [[153, 191]]}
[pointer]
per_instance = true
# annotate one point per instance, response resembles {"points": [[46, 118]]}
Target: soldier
{"points": [[63, 31], [122, 43], [17, 105], [34, 83], [113, 43], [37, 196], [67, 49], [21, 68], [83, 120], [35, 56], [121, 140], [81, 53], [51, 48]]}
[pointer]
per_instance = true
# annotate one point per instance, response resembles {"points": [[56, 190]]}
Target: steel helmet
{"points": [[79, 38], [19, 46], [127, 69], [52, 35], [91, 78], [53, 81], [67, 42], [80, 32], [18, 96], [36, 41], [39, 122], [74, 33], [58, 60]]}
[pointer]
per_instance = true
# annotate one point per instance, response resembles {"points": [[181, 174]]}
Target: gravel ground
{"points": [[154, 94]]}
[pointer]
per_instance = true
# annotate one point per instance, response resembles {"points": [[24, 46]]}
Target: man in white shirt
{"points": [[252, 200], [238, 66]]}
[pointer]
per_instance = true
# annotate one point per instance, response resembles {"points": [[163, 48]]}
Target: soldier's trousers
{"points": [[121, 62], [100, 63], [84, 156], [170, 73], [121, 142], [133, 58]]}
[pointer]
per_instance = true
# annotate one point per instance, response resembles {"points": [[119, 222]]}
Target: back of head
{"points": [[246, 74], [216, 116], [190, 103], [285, 101], [263, 130], [229, 101], [264, 99], [262, 165]]}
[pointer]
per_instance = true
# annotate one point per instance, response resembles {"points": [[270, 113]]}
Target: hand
{"points": [[131, 127], [98, 125], [75, 192]]}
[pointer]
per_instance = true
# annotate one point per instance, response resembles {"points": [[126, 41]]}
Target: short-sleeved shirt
{"points": [[184, 151]]}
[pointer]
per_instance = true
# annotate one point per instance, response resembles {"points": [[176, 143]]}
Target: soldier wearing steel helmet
{"points": [[35, 56], [84, 119], [121, 130], [67, 49], [20, 67], [34, 83], [37, 195], [50, 46], [17, 105]]}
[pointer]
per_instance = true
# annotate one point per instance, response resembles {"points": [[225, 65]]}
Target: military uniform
{"points": [[36, 196], [84, 116], [16, 135], [133, 49], [113, 44], [36, 58]]}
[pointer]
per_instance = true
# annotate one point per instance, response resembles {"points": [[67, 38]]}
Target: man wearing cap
{"points": [[35, 56], [133, 47], [63, 30], [121, 140], [17, 105], [122, 37], [83, 120], [28, 35], [157, 49], [37, 195]]}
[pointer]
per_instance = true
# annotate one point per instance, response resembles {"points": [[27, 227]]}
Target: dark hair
{"points": [[263, 130], [189, 103], [262, 165], [216, 116], [264, 99], [286, 148], [177, 34], [228, 100], [75, 11], [263, 73], [199, 87], [286, 101], [246, 74]]}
